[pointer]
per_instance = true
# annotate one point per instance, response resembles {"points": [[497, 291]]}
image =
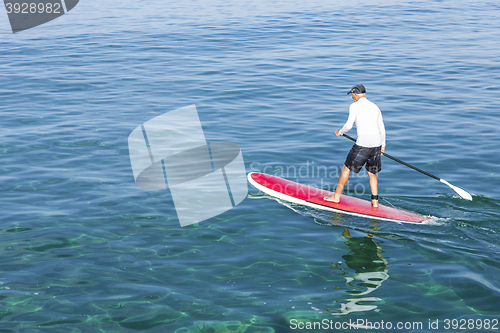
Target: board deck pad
{"points": [[313, 197]]}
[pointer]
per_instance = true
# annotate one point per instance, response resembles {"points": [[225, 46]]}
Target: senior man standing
{"points": [[369, 145]]}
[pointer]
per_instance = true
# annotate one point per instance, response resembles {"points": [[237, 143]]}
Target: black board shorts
{"points": [[358, 156]]}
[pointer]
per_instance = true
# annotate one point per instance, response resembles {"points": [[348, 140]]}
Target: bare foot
{"points": [[331, 198], [374, 203]]}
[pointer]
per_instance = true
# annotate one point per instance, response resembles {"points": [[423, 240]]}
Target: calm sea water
{"points": [[83, 249]]}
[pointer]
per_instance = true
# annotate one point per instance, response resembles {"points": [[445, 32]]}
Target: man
{"points": [[369, 145]]}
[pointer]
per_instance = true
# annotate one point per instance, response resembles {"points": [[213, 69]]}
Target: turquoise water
{"points": [[86, 250]]}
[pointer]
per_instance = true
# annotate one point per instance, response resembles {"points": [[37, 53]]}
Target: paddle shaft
{"points": [[399, 161]]}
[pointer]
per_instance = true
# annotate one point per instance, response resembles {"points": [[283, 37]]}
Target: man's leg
{"points": [[344, 176], [373, 186]]}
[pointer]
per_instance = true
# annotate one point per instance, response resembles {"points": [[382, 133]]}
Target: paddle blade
{"points": [[463, 194]]}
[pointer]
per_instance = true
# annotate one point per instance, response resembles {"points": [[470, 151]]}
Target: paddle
{"points": [[463, 194]]}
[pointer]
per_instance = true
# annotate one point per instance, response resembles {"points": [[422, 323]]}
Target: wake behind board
{"points": [[313, 197]]}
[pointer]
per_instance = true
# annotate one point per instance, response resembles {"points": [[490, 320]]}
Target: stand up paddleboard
{"points": [[313, 197]]}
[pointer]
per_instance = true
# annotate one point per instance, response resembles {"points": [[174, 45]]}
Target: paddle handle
{"points": [[399, 161]]}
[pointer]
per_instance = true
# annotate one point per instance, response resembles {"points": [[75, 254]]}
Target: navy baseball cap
{"points": [[357, 89]]}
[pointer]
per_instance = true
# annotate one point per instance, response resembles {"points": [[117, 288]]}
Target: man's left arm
{"points": [[381, 129]]}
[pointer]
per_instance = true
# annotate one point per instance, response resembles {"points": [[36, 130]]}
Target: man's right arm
{"points": [[349, 123]]}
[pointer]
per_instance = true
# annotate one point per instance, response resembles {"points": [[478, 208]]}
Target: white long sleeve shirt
{"points": [[369, 123]]}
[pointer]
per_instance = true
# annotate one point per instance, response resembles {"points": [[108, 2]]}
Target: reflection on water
{"points": [[363, 267], [366, 270]]}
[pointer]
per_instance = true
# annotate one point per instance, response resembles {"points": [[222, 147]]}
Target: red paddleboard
{"points": [[313, 197]]}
